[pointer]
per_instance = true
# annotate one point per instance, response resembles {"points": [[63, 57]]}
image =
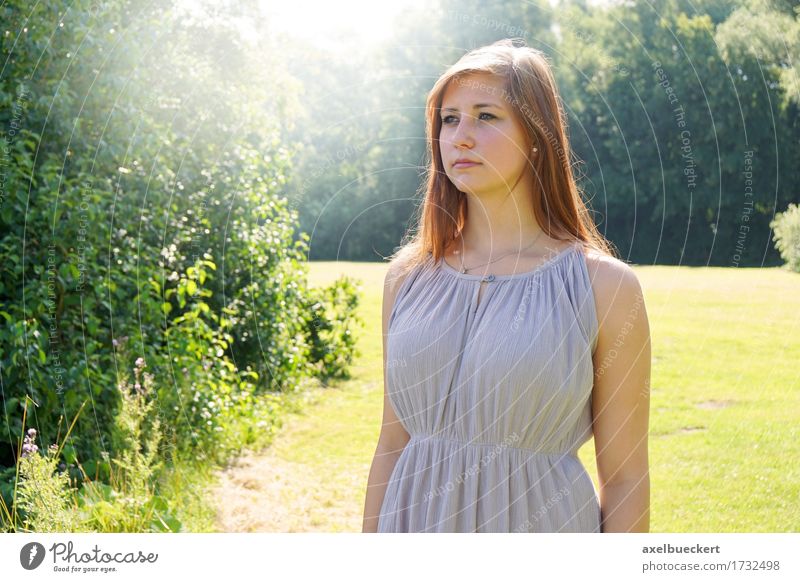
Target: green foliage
{"points": [[329, 322], [671, 109], [47, 501], [107, 511], [787, 236], [731, 65], [148, 221], [129, 503], [45, 498]]}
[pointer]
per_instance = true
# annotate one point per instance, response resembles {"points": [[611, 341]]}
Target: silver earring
{"points": [[534, 150]]}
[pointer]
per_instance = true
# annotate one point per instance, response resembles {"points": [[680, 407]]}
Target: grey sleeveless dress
{"points": [[495, 393]]}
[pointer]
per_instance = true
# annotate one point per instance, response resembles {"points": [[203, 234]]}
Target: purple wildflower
{"points": [[28, 445]]}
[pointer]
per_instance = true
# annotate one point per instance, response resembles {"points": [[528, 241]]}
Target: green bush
{"points": [[786, 226], [148, 222], [330, 319]]}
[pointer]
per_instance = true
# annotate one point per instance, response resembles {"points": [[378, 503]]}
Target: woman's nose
{"points": [[463, 132]]}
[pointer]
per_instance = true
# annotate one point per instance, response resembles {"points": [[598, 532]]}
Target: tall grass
{"points": [[45, 499]]}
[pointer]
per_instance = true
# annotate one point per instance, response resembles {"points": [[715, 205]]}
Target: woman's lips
{"points": [[465, 164]]}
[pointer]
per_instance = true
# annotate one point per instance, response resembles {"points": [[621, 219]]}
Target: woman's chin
{"points": [[474, 188], [466, 185]]}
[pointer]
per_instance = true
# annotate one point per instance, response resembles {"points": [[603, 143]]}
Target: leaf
{"points": [[11, 403], [69, 453], [159, 503]]}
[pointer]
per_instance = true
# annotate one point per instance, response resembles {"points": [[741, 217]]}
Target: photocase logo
{"points": [[31, 555]]}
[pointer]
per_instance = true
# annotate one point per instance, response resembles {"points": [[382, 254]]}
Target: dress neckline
{"points": [[447, 268]]}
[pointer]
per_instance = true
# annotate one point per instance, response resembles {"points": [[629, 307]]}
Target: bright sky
{"points": [[326, 23], [321, 21]]}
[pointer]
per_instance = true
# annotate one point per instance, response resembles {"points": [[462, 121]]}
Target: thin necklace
{"points": [[465, 269]]}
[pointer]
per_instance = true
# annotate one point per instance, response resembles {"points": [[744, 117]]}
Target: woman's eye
{"points": [[446, 122]]}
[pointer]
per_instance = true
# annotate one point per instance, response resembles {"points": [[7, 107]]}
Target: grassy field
{"points": [[725, 406]]}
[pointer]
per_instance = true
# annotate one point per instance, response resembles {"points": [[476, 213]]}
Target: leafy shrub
{"points": [[113, 228], [787, 236], [330, 319]]}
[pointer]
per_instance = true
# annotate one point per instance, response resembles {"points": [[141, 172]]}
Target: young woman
{"points": [[511, 332]]}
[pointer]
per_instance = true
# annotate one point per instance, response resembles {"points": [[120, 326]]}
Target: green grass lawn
{"points": [[725, 406], [725, 403]]}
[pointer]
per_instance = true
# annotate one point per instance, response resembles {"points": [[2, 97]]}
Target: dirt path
{"points": [[313, 477]]}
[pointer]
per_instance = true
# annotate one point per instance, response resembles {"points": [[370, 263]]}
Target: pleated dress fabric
{"points": [[495, 392]]}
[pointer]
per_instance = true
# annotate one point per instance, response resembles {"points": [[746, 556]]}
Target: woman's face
{"points": [[488, 135]]}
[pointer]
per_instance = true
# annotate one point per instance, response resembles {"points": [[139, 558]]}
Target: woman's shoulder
{"points": [[604, 264], [396, 273], [615, 285], [400, 268]]}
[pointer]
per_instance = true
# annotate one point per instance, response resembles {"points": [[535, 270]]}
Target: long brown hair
{"points": [[531, 93]]}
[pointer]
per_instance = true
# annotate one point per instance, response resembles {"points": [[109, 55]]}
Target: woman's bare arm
{"points": [[393, 437], [621, 397]]}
